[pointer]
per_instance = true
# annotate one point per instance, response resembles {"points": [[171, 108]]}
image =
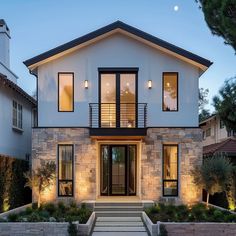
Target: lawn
{"points": [[52, 213], [183, 213]]}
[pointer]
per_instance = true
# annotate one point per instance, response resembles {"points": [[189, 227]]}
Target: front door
{"points": [[118, 170]]}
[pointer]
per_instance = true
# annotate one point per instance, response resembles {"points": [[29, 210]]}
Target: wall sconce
{"points": [[86, 84], [149, 84]]}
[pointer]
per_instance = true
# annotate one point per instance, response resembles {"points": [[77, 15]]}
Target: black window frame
{"points": [[177, 90], [58, 90], [170, 180], [67, 180]]}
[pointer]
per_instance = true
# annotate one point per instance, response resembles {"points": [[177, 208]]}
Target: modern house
{"points": [[118, 113], [216, 138], [16, 106]]}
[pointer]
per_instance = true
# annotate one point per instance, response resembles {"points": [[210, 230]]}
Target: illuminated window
{"points": [[65, 170], [17, 115], [170, 91], [170, 170], [66, 91]]}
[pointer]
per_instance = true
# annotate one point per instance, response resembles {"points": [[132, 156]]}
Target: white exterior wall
{"points": [[117, 51], [14, 143]]}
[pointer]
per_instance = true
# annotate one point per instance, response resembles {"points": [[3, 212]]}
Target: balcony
{"points": [[113, 119]]}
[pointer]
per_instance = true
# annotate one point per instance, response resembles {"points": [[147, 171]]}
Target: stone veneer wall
{"points": [[190, 154], [44, 147], [45, 142]]}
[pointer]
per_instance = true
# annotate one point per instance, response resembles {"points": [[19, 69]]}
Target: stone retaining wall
{"points": [[44, 228]]}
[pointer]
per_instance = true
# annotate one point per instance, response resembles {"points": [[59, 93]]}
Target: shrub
{"points": [[163, 231], [50, 207], [34, 217], [12, 217], [61, 206], [72, 229]]}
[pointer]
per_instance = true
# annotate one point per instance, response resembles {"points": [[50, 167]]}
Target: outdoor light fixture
{"points": [[149, 84], [86, 84]]}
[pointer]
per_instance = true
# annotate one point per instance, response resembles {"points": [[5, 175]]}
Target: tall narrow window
{"points": [[65, 170], [66, 92], [17, 115], [170, 170], [170, 91]]}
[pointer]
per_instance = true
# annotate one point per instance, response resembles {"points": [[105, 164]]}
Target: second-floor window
{"points": [[17, 115], [222, 125], [170, 91], [65, 92], [208, 132]]}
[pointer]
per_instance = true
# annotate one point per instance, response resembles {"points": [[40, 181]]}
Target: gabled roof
{"points": [[124, 27], [15, 87], [227, 146]]}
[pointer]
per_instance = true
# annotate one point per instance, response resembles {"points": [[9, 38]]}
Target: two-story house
{"points": [[15, 106], [216, 138], [118, 113]]}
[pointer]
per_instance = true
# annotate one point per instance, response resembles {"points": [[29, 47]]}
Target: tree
{"points": [[214, 175], [202, 101], [41, 178], [225, 104], [220, 16]]}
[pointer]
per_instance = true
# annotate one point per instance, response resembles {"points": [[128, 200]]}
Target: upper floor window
{"points": [[208, 132], [66, 92], [17, 115], [170, 170], [65, 169], [170, 91], [222, 125]]}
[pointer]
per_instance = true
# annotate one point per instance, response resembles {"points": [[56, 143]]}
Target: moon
{"points": [[176, 8]]}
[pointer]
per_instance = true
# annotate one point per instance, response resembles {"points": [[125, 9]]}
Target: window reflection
{"points": [[170, 86]]}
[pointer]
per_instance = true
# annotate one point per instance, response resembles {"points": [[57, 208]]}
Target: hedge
{"points": [[12, 191]]}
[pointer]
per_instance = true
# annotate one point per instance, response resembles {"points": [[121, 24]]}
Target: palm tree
{"points": [[41, 178]]}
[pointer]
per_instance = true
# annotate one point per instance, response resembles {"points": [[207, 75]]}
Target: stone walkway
{"points": [[116, 226]]}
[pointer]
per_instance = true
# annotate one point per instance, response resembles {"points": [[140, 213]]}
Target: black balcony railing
{"points": [[114, 115]]}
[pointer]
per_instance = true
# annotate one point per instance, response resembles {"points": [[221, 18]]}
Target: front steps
{"points": [[116, 226], [118, 209]]}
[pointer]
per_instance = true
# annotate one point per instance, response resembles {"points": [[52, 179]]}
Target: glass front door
{"points": [[118, 170]]}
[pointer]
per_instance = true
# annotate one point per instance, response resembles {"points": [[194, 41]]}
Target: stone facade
{"points": [[45, 141]]}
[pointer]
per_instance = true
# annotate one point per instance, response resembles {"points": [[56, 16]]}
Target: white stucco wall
{"points": [[118, 51], [14, 143]]}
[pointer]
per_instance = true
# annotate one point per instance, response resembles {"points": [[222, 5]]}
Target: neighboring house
{"points": [[118, 113], [15, 107], [216, 139]]}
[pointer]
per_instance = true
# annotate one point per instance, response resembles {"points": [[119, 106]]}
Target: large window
{"points": [[66, 92], [65, 170], [170, 91], [170, 170], [17, 115]]}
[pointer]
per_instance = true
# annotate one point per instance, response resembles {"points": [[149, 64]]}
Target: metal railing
{"points": [[118, 115]]}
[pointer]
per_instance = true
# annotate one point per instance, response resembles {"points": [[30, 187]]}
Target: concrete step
{"points": [[118, 204], [119, 208], [120, 234], [118, 213], [119, 229], [109, 224], [119, 219]]}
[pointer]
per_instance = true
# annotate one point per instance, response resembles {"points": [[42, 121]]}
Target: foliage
{"points": [[220, 16], [225, 104], [204, 114], [214, 175], [163, 231], [12, 181], [72, 229], [202, 101], [41, 178], [182, 213], [53, 212]]}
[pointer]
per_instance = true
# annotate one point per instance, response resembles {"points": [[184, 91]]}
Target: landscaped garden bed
{"points": [[189, 220], [49, 219]]}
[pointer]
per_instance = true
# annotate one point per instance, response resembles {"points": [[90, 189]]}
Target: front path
{"points": [[116, 226]]}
